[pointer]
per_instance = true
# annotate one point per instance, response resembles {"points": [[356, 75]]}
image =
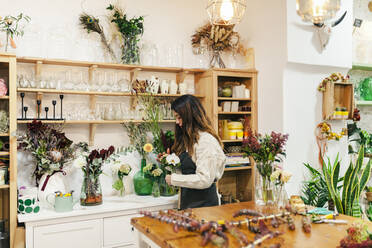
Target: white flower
{"points": [[115, 167], [285, 176], [124, 168], [79, 162], [157, 172], [275, 175], [173, 159]]}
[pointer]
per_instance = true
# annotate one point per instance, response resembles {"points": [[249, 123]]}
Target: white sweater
{"points": [[210, 163]]}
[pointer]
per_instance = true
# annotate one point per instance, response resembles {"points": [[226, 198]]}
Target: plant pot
{"points": [[369, 196]]}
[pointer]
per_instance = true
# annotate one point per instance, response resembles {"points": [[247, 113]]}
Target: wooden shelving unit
{"points": [[364, 103], [181, 73], [8, 193], [237, 181]]}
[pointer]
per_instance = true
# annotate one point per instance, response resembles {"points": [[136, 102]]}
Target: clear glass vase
{"points": [[264, 190], [91, 191], [155, 189], [130, 51], [142, 183], [281, 196], [216, 59]]}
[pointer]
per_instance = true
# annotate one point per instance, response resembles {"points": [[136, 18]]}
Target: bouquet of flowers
{"points": [[49, 146], [121, 170], [169, 162], [154, 172], [280, 177], [265, 150], [91, 193]]}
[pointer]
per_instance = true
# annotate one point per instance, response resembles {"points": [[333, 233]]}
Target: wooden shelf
{"points": [[4, 97], [91, 121], [231, 141], [6, 186], [235, 113], [364, 103], [364, 67], [233, 99], [96, 93], [61, 62], [4, 153], [237, 168], [4, 134]]}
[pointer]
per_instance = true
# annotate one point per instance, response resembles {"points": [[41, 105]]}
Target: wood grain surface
{"points": [[321, 236]]}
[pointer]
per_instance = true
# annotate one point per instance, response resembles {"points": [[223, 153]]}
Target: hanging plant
{"points": [[130, 30]]}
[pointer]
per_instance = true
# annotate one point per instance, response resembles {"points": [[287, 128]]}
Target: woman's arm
{"points": [[210, 161]]}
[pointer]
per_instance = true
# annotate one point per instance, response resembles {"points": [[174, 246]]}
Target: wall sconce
{"points": [[318, 12], [226, 12]]}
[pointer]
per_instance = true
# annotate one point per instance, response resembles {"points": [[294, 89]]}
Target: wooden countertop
{"points": [[322, 235]]}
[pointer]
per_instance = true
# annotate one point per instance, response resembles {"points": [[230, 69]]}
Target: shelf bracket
{"points": [[92, 133], [38, 65], [134, 74], [180, 77]]}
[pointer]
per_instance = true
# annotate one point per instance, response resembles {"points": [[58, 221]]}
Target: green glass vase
{"points": [[142, 183], [165, 189]]}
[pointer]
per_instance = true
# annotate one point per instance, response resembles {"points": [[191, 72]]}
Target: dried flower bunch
{"points": [[218, 37], [335, 77], [357, 236], [49, 146], [11, 25], [326, 132], [91, 24]]}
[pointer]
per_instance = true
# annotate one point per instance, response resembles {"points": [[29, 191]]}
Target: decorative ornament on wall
{"points": [[226, 12], [320, 12]]}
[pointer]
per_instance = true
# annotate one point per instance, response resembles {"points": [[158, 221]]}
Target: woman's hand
{"points": [[168, 179]]}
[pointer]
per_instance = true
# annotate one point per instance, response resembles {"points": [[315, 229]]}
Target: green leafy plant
{"points": [[130, 30], [137, 135], [361, 137], [369, 211], [355, 180], [11, 25]]}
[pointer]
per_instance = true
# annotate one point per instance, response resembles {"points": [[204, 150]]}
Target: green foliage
{"points": [[369, 211], [315, 190], [137, 135], [355, 181], [363, 138]]}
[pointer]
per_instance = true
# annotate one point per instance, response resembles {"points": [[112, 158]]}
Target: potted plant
{"points": [[265, 150]]}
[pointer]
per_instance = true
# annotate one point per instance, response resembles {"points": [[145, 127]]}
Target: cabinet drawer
{"points": [[118, 231], [72, 235]]}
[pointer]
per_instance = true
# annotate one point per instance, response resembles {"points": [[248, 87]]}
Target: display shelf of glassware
{"points": [[62, 77]]}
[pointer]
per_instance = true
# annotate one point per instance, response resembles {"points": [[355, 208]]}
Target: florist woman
{"points": [[201, 155]]}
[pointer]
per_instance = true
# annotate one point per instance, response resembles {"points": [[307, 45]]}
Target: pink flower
{"points": [[3, 88]]}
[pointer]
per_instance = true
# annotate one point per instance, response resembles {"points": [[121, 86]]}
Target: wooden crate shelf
{"points": [[4, 97], [233, 99], [232, 141], [4, 153], [235, 113], [364, 103], [338, 95], [4, 134]]}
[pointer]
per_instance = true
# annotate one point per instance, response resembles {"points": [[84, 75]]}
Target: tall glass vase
{"points": [[91, 191], [216, 59], [130, 51], [155, 188], [264, 190], [142, 183]]}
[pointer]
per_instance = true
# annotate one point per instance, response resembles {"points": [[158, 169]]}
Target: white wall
{"points": [[303, 43]]}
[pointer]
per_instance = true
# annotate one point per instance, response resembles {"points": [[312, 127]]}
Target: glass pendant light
{"points": [[226, 12], [317, 11]]}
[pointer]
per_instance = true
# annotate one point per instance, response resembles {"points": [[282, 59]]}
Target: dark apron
{"points": [[196, 198]]}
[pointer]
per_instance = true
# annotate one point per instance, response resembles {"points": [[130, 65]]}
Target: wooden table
{"points": [[162, 235]]}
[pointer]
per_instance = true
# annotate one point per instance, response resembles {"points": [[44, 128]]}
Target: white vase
{"points": [[54, 184]]}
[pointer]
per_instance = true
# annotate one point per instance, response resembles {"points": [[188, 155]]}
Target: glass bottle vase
{"points": [[264, 194], [91, 191], [281, 196], [130, 50], [155, 189], [142, 183]]}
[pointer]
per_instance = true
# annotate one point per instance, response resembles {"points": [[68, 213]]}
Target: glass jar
{"points": [[264, 194], [91, 191], [142, 182], [165, 188], [155, 189]]}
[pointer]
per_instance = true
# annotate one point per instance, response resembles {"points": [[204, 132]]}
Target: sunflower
{"points": [[148, 147]]}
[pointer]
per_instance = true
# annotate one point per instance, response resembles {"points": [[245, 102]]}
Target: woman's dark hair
{"points": [[194, 120]]}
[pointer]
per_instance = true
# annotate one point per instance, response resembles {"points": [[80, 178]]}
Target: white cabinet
{"points": [[118, 231], [72, 235]]}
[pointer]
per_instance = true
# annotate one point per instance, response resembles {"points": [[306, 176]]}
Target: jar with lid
{"points": [[344, 113]]}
